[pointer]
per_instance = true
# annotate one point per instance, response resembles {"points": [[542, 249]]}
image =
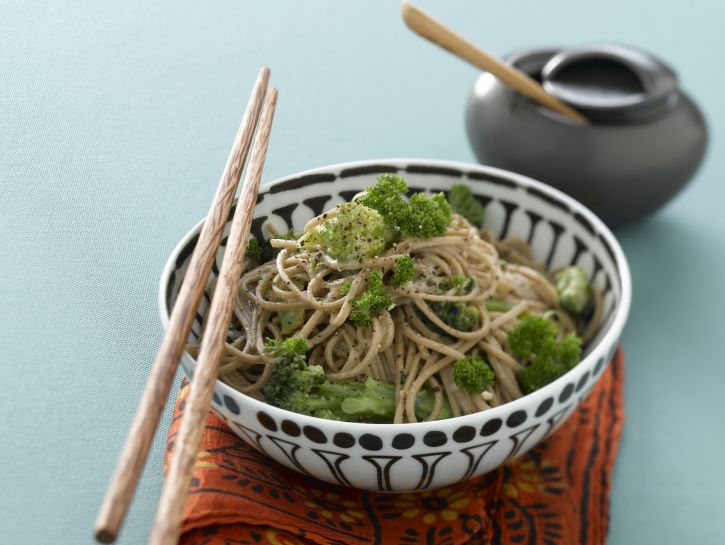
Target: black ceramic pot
{"points": [[645, 140]]}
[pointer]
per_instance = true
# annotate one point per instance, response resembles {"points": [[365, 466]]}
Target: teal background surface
{"points": [[115, 122]]}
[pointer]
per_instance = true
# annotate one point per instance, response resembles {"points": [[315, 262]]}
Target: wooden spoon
{"points": [[424, 25]]}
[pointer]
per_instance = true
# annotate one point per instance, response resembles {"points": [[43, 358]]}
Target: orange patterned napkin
{"points": [[557, 494]]}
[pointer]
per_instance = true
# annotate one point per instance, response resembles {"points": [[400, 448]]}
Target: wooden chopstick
{"points": [[429, 28], [123, 483], [167, 527]]}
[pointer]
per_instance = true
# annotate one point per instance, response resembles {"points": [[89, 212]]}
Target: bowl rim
{"points": [[612, 335]]}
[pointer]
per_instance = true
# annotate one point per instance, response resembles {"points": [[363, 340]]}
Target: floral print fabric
{"points": [[557, 494]]}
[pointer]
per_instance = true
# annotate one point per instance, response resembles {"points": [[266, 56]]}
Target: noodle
{"points": [[409, 345]]}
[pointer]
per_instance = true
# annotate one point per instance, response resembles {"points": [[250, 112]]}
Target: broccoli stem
{"points": [[368, 407], [375, 400], [424, 403], [495, 305]]}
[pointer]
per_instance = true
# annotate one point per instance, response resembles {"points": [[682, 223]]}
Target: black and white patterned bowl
{"points": [[405, 457]]}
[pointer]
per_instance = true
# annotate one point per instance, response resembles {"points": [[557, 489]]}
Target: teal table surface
{"points": [[115, 122]]}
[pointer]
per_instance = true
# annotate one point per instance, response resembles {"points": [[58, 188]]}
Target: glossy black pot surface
{"points": [[645, 141]]}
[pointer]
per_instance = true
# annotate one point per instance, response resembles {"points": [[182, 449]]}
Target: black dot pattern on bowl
{"points": [[599, 366], [314, 434], [343, 440], [290, 428], [566, 393], [545, 406], [267, 421], [369, 441], [491, 427], [216, 400], [230, 404], [435, 438], [464, 434], [403, 441], [582, 381], [516, 418]]}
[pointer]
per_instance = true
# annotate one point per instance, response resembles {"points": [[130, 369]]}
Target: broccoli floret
{"points": [[372, 302], [302, 388], [289, 235], [292, 347], [534, 341], [356, 232], [570, 350], [533, 336], [292, 379], [575, 295], [345, 286], [462, 283], [464, 203], [269, 253], [291, 320], [428, 217], [363, 228], [419, 217], [404, 271], [473, 374], [293, 382], [458, 315], [386, 196], [254, 249]]}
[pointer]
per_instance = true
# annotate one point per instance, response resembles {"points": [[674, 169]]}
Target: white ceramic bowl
{"points": [[405, 457]]}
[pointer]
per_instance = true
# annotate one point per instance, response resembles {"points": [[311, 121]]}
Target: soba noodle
{"points": [[407, 345]]}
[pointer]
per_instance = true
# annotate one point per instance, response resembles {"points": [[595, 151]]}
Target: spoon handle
{"points": [[424, 25]]}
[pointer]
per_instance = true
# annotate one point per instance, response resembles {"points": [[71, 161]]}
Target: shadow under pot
{"points": [[644, 142]]}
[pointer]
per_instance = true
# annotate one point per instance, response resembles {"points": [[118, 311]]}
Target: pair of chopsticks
{"points": [[167, 527]]}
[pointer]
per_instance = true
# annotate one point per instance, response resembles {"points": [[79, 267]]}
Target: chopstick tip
{"points": [[105, 536], [409, 12], [270, 99], [263, 77]]}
